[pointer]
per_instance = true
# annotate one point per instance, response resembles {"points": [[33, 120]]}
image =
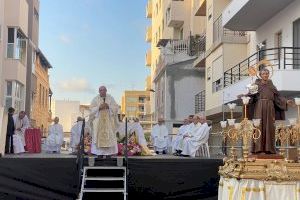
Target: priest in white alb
{"points": [[104, 115], [178, 138], [21, 123], [196, 137], [75, 134], [55, 137], [177, 145], [159, 136]]}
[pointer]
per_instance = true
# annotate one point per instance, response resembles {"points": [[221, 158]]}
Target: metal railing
{"points": [[197, 45], [281, 58], [200, 102], [220, 32]]}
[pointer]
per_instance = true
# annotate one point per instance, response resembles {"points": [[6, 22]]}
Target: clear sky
{"points": [[94, 42]]}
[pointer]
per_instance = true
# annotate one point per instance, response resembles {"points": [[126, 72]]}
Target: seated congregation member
{"points": [[194, 139], [182, 130], [55, 138], [75, 134], [21, 123], [159, 136]]}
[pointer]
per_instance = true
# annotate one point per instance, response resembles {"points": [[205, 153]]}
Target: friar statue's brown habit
{"points": [[268, 105]]}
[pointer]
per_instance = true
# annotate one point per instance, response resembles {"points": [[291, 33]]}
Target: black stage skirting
{"points": [[155, 179]]}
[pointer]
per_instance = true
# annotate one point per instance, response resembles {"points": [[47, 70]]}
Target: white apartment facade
{"points": [[175, 81], [275, 37]]}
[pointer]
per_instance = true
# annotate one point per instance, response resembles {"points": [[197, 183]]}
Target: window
{"points": [[0, 33], [217, 85], [33, 59], [208, 73], [131, 99], [278, 44], [16, 45], [131, 109], [181, 34], [14, 95], [40, 94], [36, 14]]}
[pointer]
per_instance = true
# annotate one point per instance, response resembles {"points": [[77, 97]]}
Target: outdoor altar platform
{"points": [[55, 176]]}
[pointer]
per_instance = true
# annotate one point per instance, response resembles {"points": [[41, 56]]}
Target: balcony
{"points": [[197, 47], [224, 35], [148, 58], [199, 7], [149, 9], [249, 15], [286, 65], [149, 34], [173, 51], [175, 14], [200, 102]]}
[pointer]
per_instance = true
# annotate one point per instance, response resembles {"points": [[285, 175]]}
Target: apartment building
{"points": [[137, 104], [275, 37], [41, 109], [218, 48], [175, 81]]}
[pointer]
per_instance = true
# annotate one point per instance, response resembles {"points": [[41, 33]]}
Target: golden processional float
{"points": [[260, 177]]}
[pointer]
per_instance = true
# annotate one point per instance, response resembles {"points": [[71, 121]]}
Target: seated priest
{"points": [[21, 123], [75, 134], [196, 137], [55, 138], [159, 136], [182, 130]]}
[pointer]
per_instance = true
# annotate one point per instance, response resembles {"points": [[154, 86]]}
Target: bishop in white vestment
{"points": [[159, 136], [104, 115], [21, 122], [55, 137]]}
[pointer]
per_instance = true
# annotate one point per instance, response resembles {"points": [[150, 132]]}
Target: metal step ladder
{"points": [[88, 176]]}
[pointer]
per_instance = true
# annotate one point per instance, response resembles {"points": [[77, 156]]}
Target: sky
{"points": [[91, 43]]}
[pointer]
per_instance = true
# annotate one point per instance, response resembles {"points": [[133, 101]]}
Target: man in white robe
{"points": [[198, 136], [75, 134], [176, 141], [55, 138], [159, 136], [22, 123], [179, 140], [104, 115]]}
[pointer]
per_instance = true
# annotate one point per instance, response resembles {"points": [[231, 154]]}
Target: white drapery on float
{"points": [[250, 189]]}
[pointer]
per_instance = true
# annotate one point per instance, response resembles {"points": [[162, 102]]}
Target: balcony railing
{"points": [[149, 9], [200, 102], [281, 58], [174, 51], [197, 45], [221, 34]]}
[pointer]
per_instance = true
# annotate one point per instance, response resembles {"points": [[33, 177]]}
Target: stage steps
{"points": [[103, 181]]}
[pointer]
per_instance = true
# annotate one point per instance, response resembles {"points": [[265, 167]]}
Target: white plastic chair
{"points": [[203, 149]]}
